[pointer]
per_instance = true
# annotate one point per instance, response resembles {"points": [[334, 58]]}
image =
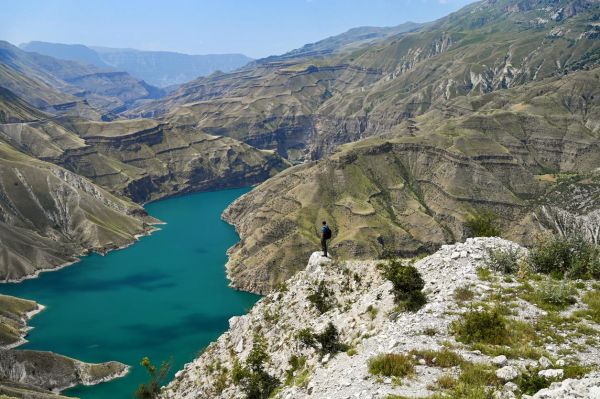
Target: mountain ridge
{"points": [[159, 68]]}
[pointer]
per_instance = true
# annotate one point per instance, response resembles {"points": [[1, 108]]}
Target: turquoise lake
{"points": [[164, 297]]}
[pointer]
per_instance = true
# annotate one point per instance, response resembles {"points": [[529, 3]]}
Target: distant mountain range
{"points": [[158, 68]]}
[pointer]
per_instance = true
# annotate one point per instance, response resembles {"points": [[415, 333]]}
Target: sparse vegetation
{"points": [[407, 284], [392, 365], [530, 382], [446, 381], [306, 337], [463, 294], [571, 257], [592, 300], [372, 311], [553, 295], [329, 340], [430, 331], [296, 363]]}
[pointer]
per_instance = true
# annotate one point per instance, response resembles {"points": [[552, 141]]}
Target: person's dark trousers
{"points": [[324, 246]]}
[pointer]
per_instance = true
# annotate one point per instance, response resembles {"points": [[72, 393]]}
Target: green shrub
{"points": [[329, 340], [474, 382], [326, 342], [530, 383], [572, 257], [322, 298], [504, 261], [553, 295], [255, 382], [151, 389], [483, 224], [486, 326], [392, 365], [407, 284]]}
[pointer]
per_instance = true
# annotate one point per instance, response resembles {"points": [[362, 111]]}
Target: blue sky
{"points": [[256, 28]]}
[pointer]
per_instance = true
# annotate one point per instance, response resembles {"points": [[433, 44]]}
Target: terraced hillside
{"points": [[60, 214], [304, 108], [413, 189]]}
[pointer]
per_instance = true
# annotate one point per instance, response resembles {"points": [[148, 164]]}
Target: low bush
{"points": [[446, 381], [553, 295], [572, 257], [407, 284], [504, 261], [322, 298], [325, 342], [296, 363], [486, 326], [329, 340], [392, 365], [476, 381], [483, 224], [530, 383], [255, 382]]}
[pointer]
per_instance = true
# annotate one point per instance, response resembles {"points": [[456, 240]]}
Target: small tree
{"points": [[407, 284], [151, 389]]}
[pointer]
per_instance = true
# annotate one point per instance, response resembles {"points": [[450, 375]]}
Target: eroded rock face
{"points": [[49, 216]]}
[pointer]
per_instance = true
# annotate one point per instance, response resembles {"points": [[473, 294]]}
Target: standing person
{"points": [[325, 235]]}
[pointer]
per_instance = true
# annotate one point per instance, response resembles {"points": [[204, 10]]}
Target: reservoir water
{"points": [[164, 297]]}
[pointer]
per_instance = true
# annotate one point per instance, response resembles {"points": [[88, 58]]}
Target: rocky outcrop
{"points": [[588, 387], [367, 319]]}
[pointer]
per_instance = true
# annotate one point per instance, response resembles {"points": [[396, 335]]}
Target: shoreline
{"points": [[114, 376], [25, 330], [87, 252]]}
